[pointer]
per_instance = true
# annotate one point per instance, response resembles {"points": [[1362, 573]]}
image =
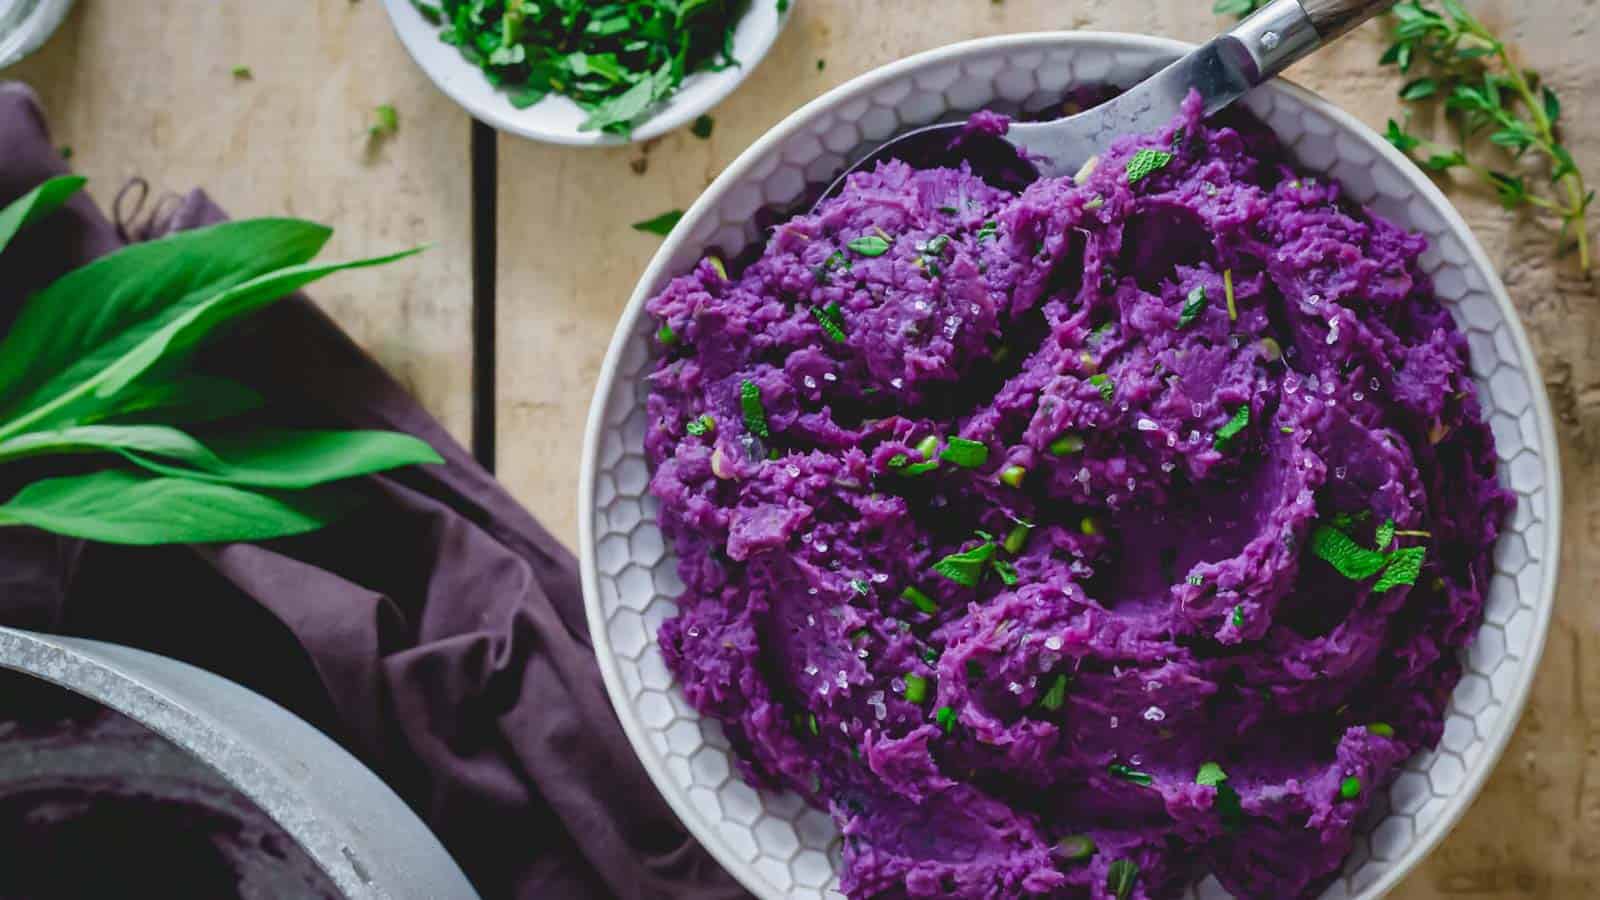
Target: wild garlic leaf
{"points": [[183, 400], [122, 507], [135, 292], [36, 204], [158, 440], [91, 382], [293, 460]]}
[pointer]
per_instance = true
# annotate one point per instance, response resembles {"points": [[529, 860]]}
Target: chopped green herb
{"points": [[1089, 525], [928, 447], [66, 151], [666, 335], [1237, 616], [945, 716], [1357, 563], [1055, 696], [898, 461], [916, 688], [1196, 580], [1404, 567], [701, 426], [1130, 774], [1193, 306], [1210, 775], [831, 319], [859, 635], [1381, 729], [1104, 384], [988, 230], [702, 127], [821, 64], [716, 263], [1350, 788], [1006, 571], [920, 600], [1121, 877], [662, 224], [430, 12], [783, 6], [860, 586], [1231, 429], [921, 468], [755, 415], [617, 61], [1095, 203], [243, 73], [1075, 848], [1240, 8], [1067, 444], [1227, 288], [1146, 162], [869, 245], [811, 722], [1229, 806], [966, 567], [1385, 535], [964, 453], [1018, 538], [385, 121], [1013, 475]]}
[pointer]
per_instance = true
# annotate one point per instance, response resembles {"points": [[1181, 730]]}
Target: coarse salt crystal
{"points": [[1358, 396], [810, 383], [694, 631], [829, 376], [1154, 714], [811, 669], [1114, 722], [1053, 642], [1147, 424], [899, 685], [843, 679], [794, 471], [863, 653], [1375, 384], [1168, 466], [1340, 473], [880, 577], [897, 383], [1014, 687], [811, 621]]}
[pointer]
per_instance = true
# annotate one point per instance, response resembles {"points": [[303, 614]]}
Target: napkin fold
{"points": [[438, 633]]}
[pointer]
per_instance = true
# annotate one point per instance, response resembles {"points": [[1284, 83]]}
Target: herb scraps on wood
{"points": [[96, 368], [1240, 8], [702, 127], [618, 61], [385, 122], [662, 224], [1453, 58]]}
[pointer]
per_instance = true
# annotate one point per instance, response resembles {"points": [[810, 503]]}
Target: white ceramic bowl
{"points": [[776, 845], [556, 119]]}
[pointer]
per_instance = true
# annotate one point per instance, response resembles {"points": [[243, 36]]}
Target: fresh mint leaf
{"points": [[964, 453], [1348, 558], [35, 205], [755, 415], [1210, 775], [1403, 568], [831, 319], [1147, 162], [966, 567]]}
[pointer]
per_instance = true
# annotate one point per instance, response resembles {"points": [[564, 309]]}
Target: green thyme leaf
{"points": [[755, 415], [385, 121]]}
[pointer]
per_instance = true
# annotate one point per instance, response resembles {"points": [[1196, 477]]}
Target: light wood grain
{"points": [[146, 88], [568, 262]]}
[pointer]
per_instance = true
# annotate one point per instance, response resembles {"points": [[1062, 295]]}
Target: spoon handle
{"points": [[1286, 31]]}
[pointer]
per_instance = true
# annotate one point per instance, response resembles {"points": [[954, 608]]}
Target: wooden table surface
{"points": [[145, 89]]}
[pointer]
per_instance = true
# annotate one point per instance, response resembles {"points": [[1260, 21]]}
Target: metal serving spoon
{"points": [[1225, 69]]}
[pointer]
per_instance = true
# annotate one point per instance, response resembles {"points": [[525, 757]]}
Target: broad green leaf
{"points": [[183, 400], [36, 204], [91, 384], [293, 460], [91, 317], [122, 507], [146, 439], [621, 110], [1353, 561]]}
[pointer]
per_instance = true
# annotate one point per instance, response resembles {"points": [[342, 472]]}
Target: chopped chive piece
{"points": [[1075, 848], [1055, 696], [869, 245], [928, 447], [1095, 203], [946, 717], [1089, 525], [964, 453], [1196, 580], [1238, 616], [1129, 774], [966, 568], [1104, 384], [1231, 429], [1210, 775], [1146, 162], [930, 656], [1384, 535], [811, 722], [716, 263], [1227, 287], [1271, 350], [860, 634], [660, 225], [243, 72], [666, 335], [702, 425], [1286, 429], [385, 121], [860, 586], [755, 416], [920, 468], [988, 230], [1006, 571], [916, 688], [1121, 877], [1350, 788], [1381, 729], [831, 319], [920, 600], [1018, 538], [1193, 306], [1067, 444], [1013, 475], [702, 127]]}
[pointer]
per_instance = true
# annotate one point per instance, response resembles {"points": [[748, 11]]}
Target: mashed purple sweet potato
{"points": [[1082, 542]]}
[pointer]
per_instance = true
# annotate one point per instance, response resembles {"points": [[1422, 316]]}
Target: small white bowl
{"points": [[773, 843], [555, 119]]}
